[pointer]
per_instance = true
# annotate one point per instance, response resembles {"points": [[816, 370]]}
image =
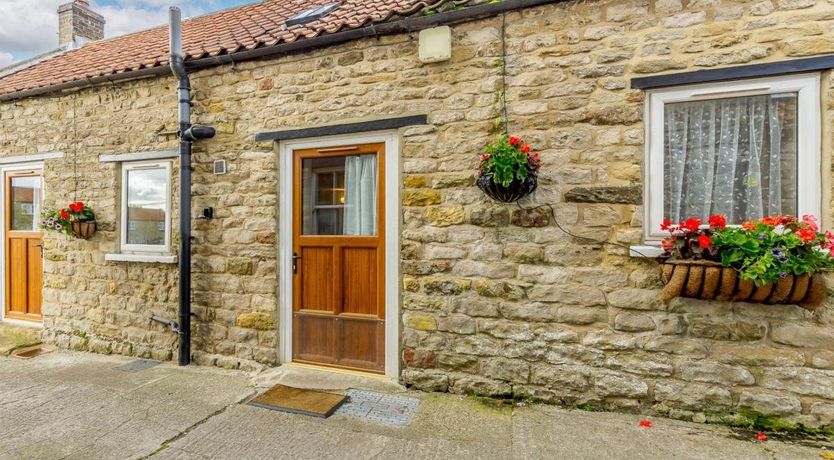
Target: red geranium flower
{"points": [[666, 224], [692, 224], [646, 423], [717, 221], [514, 140], [77, 206], [525, 148], [748, 225], [806, 235], [704, 241], [761, 437], [64, 214]]}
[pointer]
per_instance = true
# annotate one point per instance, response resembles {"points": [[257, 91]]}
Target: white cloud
{"points": [[30, 27], [5, 59]]}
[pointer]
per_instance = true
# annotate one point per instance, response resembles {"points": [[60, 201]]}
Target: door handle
{"points": [[295, 258]]}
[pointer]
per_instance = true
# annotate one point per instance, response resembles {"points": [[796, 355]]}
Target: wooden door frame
{"points": [[6, 168], [286, 194]]}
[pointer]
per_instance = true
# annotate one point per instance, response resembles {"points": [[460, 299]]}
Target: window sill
{"points": [[647, 251], [147, 258]]}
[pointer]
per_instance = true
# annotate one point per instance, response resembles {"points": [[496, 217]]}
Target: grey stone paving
{"points": [[65, 405], [137, 365], [379, 407]]}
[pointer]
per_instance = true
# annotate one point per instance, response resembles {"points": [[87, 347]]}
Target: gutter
{"points": [[406, 25]]}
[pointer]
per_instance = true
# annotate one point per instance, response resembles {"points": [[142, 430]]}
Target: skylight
{"points": [[312, 14]]}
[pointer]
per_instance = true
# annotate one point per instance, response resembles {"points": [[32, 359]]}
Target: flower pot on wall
{"points": [[710, 281], [83, 230], [517, 189]]}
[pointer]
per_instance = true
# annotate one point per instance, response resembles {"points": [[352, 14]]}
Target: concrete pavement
{"points": [[76, 405]]}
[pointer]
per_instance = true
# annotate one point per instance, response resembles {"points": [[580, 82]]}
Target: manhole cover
{"points": [[30, 353], [137, 365], [379, 407]]}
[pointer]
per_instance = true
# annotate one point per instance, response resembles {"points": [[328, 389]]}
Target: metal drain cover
{"points": [[379, 407], [137, 365]]}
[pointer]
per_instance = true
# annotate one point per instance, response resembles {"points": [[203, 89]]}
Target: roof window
{"points": [[312, 14]]}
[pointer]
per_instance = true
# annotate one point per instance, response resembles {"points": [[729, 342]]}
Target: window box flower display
{"points": [[508, 169], [774, 260], [76, 220]]}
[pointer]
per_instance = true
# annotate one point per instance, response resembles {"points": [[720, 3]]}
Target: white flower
{"points": [[780, 230]]}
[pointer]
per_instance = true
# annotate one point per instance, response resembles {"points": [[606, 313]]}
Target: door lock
{"points": [[295, 258]]}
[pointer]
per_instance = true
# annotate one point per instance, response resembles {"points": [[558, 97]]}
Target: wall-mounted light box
{"points": [[435, 44]]}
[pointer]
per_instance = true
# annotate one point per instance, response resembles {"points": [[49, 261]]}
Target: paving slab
{"points": [[76, 405], [550, 432]]}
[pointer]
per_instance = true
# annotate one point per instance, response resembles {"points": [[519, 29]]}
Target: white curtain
{"points": [[734, 156], [360, 195]]}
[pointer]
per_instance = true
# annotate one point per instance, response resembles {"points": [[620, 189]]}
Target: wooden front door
{"points": [[338, 257], [24, 240]]}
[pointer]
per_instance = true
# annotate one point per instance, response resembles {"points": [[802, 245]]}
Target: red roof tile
{"points": [[225, 32]]}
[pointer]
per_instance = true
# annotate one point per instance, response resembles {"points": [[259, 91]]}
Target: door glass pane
{"points": [[734, 156], [25, 203], [146, 206], [339, 195]]}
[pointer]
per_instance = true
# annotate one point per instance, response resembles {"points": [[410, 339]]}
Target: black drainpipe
{"points": [[187, 134]]}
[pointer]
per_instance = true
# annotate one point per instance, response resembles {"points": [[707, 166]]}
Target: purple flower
{"points": [[783, 275], [762, 236], [58, 227]]}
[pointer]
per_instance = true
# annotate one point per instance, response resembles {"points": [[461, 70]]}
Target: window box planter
{"points": [[708, 280], [517, 189], [83, 230]]}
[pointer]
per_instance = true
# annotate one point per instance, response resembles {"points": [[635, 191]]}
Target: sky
{"points": [[30, 27]]}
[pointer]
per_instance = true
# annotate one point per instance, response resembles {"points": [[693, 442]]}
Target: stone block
{"points": [[611, 195], [770, 403], [508, 370], [255, 320], [633, 322], [703, 371], [608, 385]]}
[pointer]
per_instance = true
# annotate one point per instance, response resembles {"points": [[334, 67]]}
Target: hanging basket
{"points": [[83, 230], [517, 189], [707, 280]]}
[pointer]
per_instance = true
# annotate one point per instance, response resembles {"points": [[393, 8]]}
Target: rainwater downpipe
{"points": [[187, 134]]}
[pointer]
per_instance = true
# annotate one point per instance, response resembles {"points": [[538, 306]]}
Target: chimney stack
{"points": [[78, 24]]}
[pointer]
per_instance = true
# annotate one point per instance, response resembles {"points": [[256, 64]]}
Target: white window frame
{"points": [[809, 173], [145, 248]]}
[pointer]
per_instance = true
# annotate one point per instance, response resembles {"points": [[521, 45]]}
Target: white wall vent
{"points": [[219, 167]]}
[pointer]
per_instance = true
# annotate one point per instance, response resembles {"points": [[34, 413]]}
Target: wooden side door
{"points": [[24, 244], [338, 257]]}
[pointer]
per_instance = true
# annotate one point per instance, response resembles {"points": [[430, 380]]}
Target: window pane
{"points": [[146, 206], [25, 203], [339, 195], [734, 156]]}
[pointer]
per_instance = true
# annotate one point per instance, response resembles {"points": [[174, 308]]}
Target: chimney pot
{"points": [[78, 24]]}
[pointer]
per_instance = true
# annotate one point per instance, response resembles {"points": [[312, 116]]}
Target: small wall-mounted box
{"points": [[436, 44]]}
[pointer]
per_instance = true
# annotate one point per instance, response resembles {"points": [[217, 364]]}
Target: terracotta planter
{"points": [[710, 281], [83, 230], [517, 189]]}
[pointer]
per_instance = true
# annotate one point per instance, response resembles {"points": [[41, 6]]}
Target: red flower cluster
{"points": [[689, 238], [646, 423], [78, 206]]}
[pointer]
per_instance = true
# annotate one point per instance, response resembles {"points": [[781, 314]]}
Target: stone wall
{"points": [[495, 299]]}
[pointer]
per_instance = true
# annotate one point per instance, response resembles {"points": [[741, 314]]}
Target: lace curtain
{"points": [[733, 156]]}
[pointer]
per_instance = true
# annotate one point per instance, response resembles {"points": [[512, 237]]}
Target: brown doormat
{"points": [[297, 401]]}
